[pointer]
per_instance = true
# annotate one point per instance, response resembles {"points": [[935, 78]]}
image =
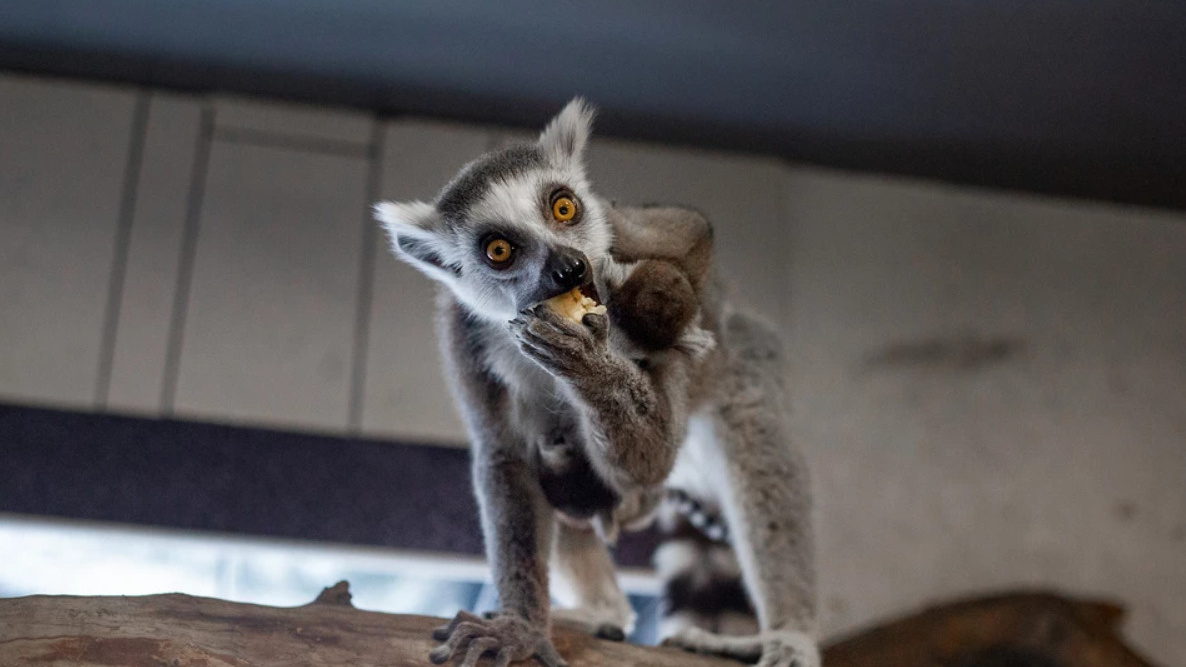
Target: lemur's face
{"points": [[515, 227]]}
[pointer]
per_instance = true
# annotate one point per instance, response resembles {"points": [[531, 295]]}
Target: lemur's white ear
{"points": [[566, 135], [415, 231]]}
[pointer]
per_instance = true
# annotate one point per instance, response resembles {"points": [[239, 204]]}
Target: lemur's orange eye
{"points": [[499, 252], [564, 209]]}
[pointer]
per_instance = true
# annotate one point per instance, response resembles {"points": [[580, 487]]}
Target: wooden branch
{"points": [[1030, 629], [184, 631]]}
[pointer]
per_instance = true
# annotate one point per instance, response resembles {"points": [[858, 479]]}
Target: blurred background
{"points": [[968, 218]]}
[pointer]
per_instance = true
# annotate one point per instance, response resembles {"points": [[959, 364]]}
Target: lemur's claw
{"points": [[442, 633], [509, 637], [597, 324]]}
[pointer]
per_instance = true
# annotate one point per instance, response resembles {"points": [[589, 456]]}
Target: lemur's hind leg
{"points": [[585, 584], [765, 498]]}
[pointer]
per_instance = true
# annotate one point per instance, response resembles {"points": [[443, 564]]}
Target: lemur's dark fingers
{"points": [[503, 658], [547, 654], [563, 363], [442, 633], [557, 320], [562, 333], [598, 325], [555, 345], [543, 353], [440, 654], [517, 327], [458, 640], [478, 648]]}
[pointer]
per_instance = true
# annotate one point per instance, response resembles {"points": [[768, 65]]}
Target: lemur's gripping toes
{"points": [[578, 428]]}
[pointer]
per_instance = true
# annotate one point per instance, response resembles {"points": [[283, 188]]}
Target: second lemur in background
{"points": [[639, 410]]}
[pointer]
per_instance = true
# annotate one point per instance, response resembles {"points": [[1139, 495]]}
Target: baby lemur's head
{"points": [[515, 227]]}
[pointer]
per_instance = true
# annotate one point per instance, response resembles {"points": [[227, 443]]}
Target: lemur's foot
{"points": [[602, 622], [506, 636], [774, 648]]}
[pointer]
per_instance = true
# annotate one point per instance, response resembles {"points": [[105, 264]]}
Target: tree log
{"points": [[1017, 630]]}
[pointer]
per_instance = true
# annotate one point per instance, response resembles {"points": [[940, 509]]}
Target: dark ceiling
{"points": [[1072, 97]]}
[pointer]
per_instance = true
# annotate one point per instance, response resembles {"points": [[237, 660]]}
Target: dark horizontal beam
{"points": [[252, 481], [1097, 170]]}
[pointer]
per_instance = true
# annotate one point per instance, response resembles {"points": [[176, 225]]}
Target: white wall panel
{"points": [[405, 393], [63, 156], [237, 114], [163, 198], [270, 322]]}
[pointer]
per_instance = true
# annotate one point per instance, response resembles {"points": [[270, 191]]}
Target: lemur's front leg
{"points": [[518, 525], [517, 522], [635, 417]]}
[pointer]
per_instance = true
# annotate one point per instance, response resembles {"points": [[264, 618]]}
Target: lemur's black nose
{"points": [[565, 269], [569, 271]]}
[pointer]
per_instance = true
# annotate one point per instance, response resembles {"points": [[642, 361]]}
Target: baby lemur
{"points": [[580, 427]]}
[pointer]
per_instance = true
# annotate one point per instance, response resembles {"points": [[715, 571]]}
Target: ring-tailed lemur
{"points": [[589, 409]]}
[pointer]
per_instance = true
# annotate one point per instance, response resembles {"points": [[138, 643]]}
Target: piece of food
{"points": [[574, 305]]}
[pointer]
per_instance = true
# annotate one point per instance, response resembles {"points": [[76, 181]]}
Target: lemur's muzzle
{"points": [[564, 269]]}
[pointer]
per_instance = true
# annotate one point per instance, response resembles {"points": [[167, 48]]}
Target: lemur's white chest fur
{"points": [[537, 397], [700, 468]]}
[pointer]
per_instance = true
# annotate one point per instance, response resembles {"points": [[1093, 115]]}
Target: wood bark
{"points": [[1016, 630]]}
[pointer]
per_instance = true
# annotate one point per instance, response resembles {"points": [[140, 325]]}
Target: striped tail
{"points": [[702, 584]]}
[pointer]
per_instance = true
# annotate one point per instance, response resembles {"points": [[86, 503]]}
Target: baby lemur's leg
{"points": [[765, 498], [584, 581]]}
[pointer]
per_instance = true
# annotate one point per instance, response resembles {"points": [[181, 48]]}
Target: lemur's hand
{"points": [[563, 347], [506, 635]]}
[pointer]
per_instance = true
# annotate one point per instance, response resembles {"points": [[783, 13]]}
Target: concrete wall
{"points": [[991, 387], [992, 391]]}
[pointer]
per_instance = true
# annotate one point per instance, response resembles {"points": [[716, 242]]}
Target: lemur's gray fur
{"points": [[576, 426]]}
